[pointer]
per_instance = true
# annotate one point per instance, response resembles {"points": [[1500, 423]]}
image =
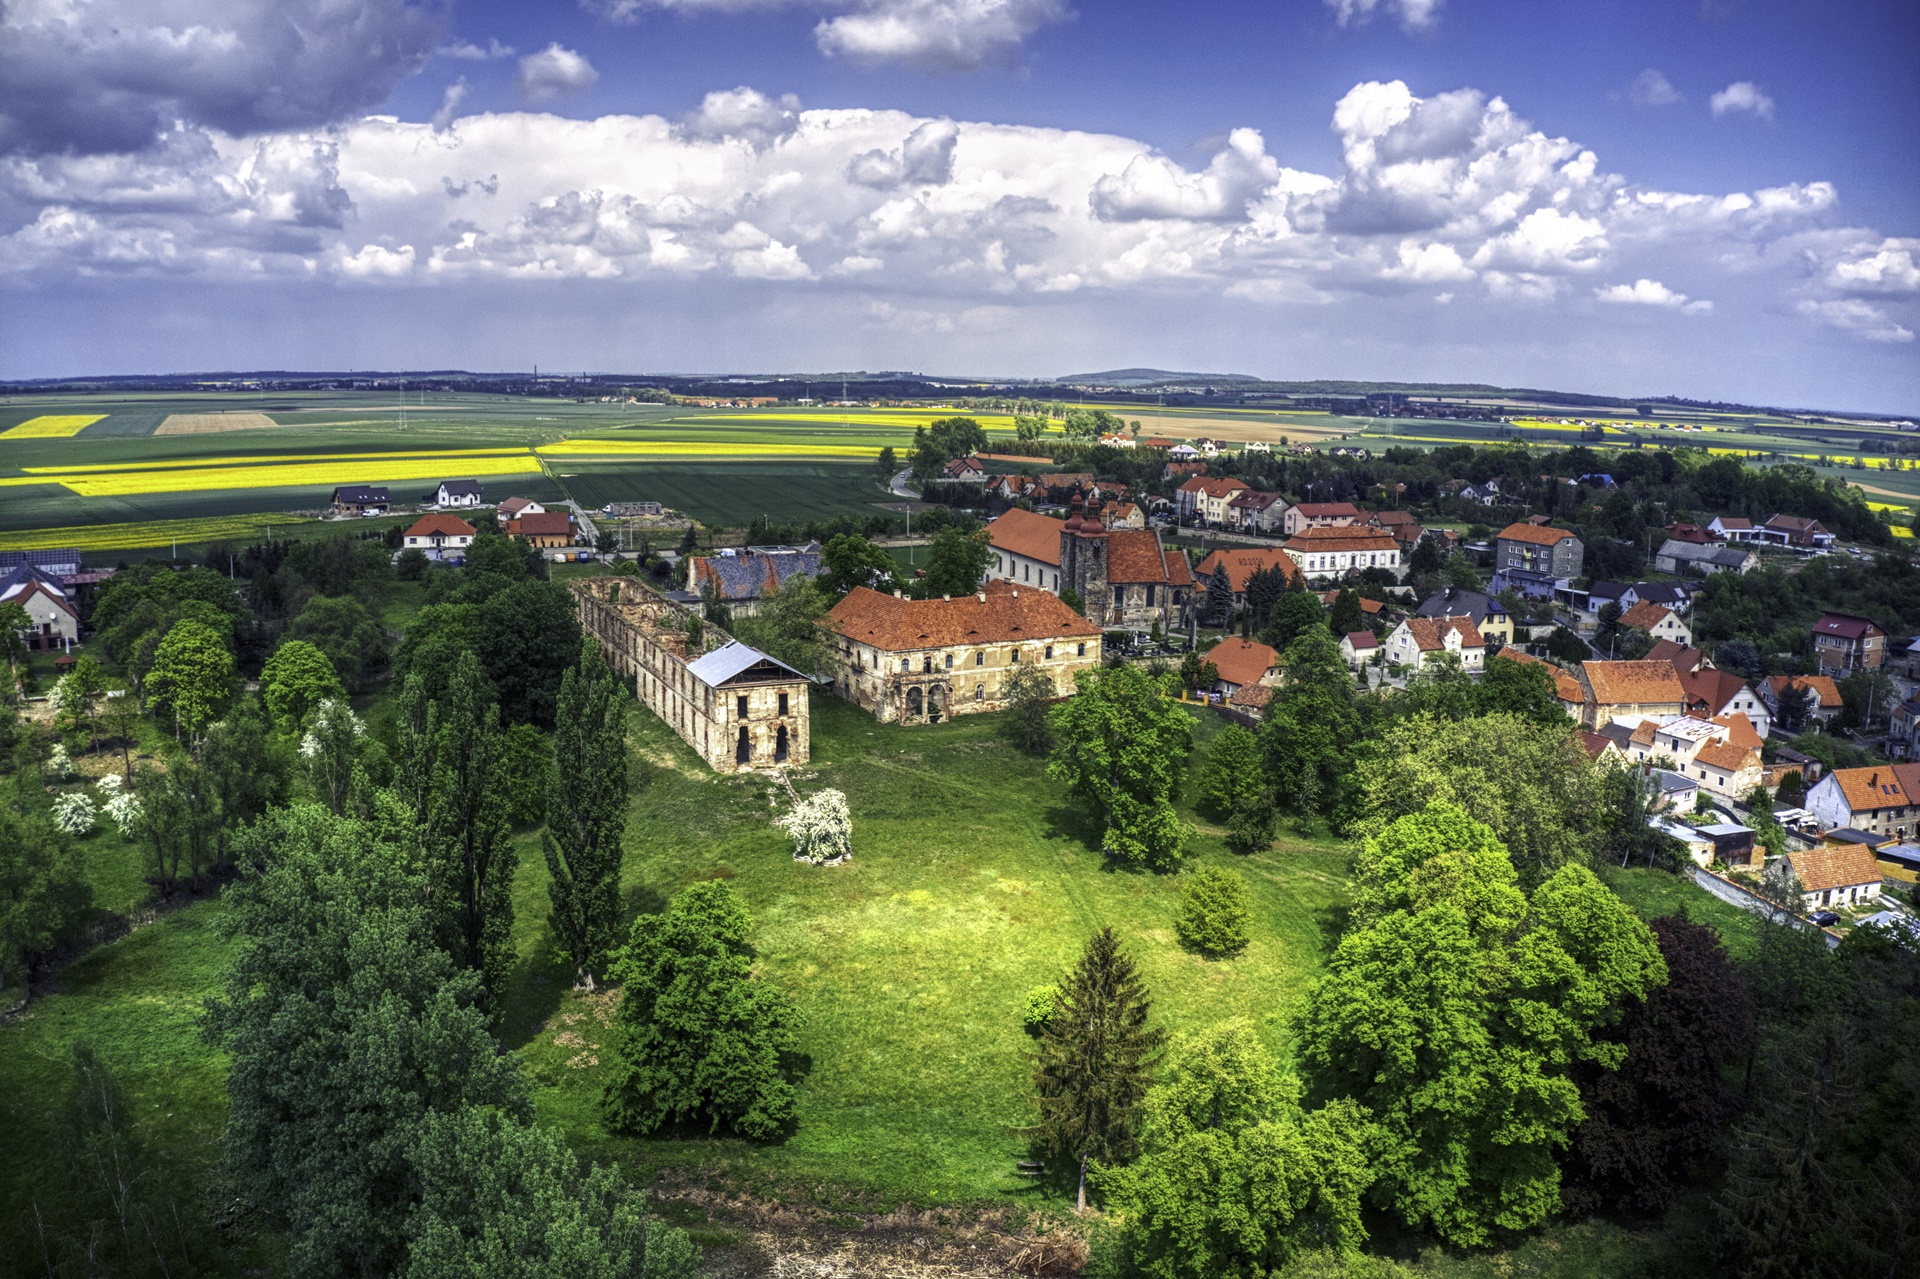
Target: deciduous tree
{"points": [[1311, 726], [1122, 748], [191, 676], [700, 1039], [956, 563], [295, 680], [1029, 695], [587, 792], [43, 890]]}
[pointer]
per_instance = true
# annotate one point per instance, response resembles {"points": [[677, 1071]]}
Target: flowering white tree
{"points": [[122, 806], [59, 764], [73, 813], [821, 827], [330, 749]]}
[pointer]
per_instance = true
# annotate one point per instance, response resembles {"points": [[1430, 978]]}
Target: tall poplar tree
{"points": [[587, 791], [451, 779], [1096, 1060]]}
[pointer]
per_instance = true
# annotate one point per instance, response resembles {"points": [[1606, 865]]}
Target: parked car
{"points": [[1824, 918]]}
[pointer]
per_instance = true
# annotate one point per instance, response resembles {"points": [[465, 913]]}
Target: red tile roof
{"points": [[1845, 626], [1027, 533], [1337, 537], [1713, 689], [1534, 533], [440, 526], [1214, 487], [1628, 683], [1646, 615], [1242, 563], [1430, 633], [1241, 661], [1134, 555], [1727, 757], [1565, 686], [1362, 641], [542, 524], [1837, 866], [1683, 658], [1327, 510], [1878, 786], [1000, 614], [1826, 692]]}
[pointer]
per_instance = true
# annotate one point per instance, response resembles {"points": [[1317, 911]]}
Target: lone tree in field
{"points": [[1122, 747], [1029, 695], [1096, 1061], [1214, 912], [587, 790], [700, 1038]]}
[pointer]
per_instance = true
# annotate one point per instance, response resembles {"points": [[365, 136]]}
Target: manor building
{"points": [[919, 661], [737, 707]]}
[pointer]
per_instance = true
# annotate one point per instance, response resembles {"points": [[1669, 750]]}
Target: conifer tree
{"points": [[1096, 1060], [587, 790]]}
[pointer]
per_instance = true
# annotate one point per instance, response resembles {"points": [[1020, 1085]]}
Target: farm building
{"points": [[917, 661], [59, 563], [543, 528], [737, 707], [360, 499]]}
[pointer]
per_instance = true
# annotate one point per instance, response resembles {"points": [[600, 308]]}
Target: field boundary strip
{"points": [[52, 426]]}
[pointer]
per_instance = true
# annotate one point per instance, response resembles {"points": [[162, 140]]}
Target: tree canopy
{"points": [[1122, 748]]}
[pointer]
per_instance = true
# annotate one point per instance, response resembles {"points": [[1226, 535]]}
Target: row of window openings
{"points": [[979, 659], [740, 704]]}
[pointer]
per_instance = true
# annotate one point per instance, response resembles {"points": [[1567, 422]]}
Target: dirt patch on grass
{"points": [[212, 423]]}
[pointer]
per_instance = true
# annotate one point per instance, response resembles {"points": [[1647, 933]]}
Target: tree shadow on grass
{"points": [[1076, 822]]}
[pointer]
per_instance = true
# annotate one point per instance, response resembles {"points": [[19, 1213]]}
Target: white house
{"points": [[437, 534], [1419, 638], [1881, 799], [1026, 549], [457, 493], [1839, 875], [1329, 552]]}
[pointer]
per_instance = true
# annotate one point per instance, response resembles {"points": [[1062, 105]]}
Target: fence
{"points": [[1734, 895]]}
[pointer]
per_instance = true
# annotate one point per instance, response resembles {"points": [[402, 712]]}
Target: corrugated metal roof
{"points": [[727, 661]]}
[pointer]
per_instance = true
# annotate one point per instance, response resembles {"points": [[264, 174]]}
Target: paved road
{"points": [[899, 486], [586, 524]]}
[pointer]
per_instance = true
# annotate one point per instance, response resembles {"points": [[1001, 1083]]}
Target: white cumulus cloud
{"points": [[954, 33], [1645, 292], [1863, 319], [1152, 186], [1742, 97], [1651, 88], [554, 72]]}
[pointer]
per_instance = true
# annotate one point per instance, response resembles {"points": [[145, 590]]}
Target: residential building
{"points": [[1796, 532], [52, 616], [1843, 642], [1116, 515], [963, 470], [1713, 693], [57, 562], [454, 493], [1677, 596], [744, 580], [1333, 550], [1841, 875], [1658, 621], [1124, 577], [1535, 559], [1308, 515], [1883, 799], [546, 529], [438, 534], [1399, 525], [1489, 615], [1826, 701], [514, 507], [1359, 648], [1566, 689], [1903, 730], [1728, 770], [1179, 470], [1252, 511], [1732, 528], [917, 661], [1242, 662], [1242, 562], [1026, 549], [360, 499], [1688, 557], [1203, 500], [1418, 639], [1684, 532], [1684, 659], [737, 707], [1673, 792], [1643, 690]]}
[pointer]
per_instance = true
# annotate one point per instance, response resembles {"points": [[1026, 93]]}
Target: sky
{"points": [[1717, 199]]}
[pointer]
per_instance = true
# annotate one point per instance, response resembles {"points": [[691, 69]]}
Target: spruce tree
{"points": [[1096, 1060], [1219, 597], [587, 790]]}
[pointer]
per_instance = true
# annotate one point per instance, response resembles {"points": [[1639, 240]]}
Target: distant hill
{"points": [[1147, 377]]}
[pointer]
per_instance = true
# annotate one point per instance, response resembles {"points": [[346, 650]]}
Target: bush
{"points": [[73, 813], [412, 565], [1214, 912], [1039, 1008], [821, 827]]}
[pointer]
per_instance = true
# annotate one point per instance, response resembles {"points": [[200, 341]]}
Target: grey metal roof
{"points": [[727, 661], [460, 486]]}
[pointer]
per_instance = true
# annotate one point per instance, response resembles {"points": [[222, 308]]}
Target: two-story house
{"points": [[1418, 640], [1308, 515], [1643, 690], [1844, 642], [437, 535], [1489, 616], [1204, 500], [1336, 550], [1026, 549], [1658, 621], [1881, 799], [1534, 558]]}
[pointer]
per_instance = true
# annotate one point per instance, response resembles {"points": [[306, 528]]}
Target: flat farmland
{"points": [[736, 494]]}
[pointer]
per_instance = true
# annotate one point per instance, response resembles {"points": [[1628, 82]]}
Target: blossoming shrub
{"points": [[821, 827]]}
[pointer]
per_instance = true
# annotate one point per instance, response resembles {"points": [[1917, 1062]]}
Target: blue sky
{"points": [[1717, 199]]}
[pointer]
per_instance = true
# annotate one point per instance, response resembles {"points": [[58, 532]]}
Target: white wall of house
{"points": [[1022, 571]]}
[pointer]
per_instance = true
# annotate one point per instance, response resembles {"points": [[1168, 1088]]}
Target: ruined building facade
{"points": [[738, 708]]}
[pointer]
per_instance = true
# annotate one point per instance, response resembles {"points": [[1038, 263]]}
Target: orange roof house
{"points": [[1242, 562], [1836, 875], [544, 528], [1242, 662], [1881, 799], [1629, 688], [1565, 687]]}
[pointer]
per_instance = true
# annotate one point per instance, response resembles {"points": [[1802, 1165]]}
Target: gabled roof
{"points": [[1645, 615], [1684, 659], [1387, 519], [1214, 487], [1243, 562], [1565, 686], [541, 524], [51, 561], [1002, 613], [1255, 500], [732, 659], [1626, 683], [1027, 533], [1327, 510], [1726, 756], [1846, 626], [459, 488], [1795, 524], [1361, 641], [513, 505], [1595, 744], [1714, 689], [440, 525], [1826, 692], [1733, 523], [1877, 786], [1458, 601], [1241, 661], [22, 592], [1537, 534], [1837, 866], [1430, 633], [360, 494]]}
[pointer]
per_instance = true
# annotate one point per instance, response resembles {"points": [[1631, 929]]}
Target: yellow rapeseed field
{"points": [[698, 448], [51, 428], [290, 475], [126, 537], [267, 459]]}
